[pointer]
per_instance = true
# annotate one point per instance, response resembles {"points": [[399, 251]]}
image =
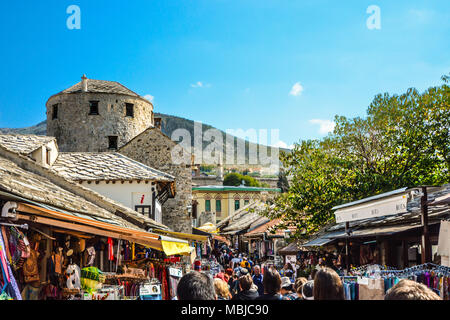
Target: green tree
{"points": [[236, 179], [403, 141], [283, 182], [232, 179]]}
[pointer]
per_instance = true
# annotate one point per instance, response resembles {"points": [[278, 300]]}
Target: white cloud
{"points": [[296, 90], [149, 97], [200, 84], [282, 144], [326, 126]]}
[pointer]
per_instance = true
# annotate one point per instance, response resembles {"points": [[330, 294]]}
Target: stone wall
{"points": [[76, 130], [206, 181], [206, 217], [154, 149]]}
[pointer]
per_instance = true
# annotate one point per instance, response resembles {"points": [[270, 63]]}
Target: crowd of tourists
{"points": [[242, 279]]}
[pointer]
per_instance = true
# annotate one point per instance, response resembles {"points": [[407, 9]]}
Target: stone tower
{"points": [[96, 115]]}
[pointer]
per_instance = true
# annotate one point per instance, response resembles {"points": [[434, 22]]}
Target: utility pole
{"points": [[347, 251], [426, 245]]}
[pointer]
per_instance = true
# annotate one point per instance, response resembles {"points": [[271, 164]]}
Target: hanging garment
{"points": [[58, 259], [5, 239], [73, 281], [110, 249], [30, 293], [91, 256], [30, 268], [165, 285], [126, 255], [7, 272]]}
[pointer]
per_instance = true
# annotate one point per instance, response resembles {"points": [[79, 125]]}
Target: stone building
{"points": [[224, 201], [154, 149], [120, 178], [99, 116], [96, 115]]}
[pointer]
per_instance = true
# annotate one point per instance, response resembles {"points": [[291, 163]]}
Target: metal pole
{"points": [[347, 251], [426, 246]]}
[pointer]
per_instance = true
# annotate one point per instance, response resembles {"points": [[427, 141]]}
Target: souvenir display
{"points": [[67, 267]]}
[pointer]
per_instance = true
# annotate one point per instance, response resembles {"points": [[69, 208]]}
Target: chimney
{"points": [[84, 83], [157, 123]]}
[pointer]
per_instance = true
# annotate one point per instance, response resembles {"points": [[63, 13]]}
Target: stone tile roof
{"points": [[104, 166], [34, 187], [263, 228], [23, 144], [269, 228], [102, 86], [241, 219]]}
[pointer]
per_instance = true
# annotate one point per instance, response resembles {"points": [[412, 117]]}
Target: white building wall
{"points": [[128, 194], [40, 155]]}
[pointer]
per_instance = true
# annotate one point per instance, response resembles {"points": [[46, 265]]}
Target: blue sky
{"points": [[230, 64]]}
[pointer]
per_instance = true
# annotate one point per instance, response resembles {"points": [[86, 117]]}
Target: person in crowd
{"points": [[248, 291], [225, 258], [308, 290], [287, 271], [299, 282], [223, 276], [229, 273], [231, 281], [251, 264], [410, 290], [235, 262], [234, 286], [328, 285], [197, 264], [258, 280], [287, 289], [245, 263], [230, 258], [221, 289], [196, 286], [272, 285], [313, 274]]}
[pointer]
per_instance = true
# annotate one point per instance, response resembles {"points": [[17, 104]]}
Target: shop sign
{"points": [[149, 290], [174, 272], [386, 207], [291, 259]]}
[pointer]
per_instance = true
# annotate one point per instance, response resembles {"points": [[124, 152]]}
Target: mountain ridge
{"points": [[169, 124]]}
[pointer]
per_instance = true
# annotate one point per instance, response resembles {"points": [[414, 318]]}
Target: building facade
{"points": [[226, 200], [104, 116], [154, 149], [96, 115], [119, 178]]}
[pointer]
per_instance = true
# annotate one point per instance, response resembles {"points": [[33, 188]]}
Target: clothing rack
{"points": [[22, 226]]}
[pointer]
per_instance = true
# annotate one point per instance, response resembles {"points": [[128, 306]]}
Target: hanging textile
{"points": [[7, 272], [110, 249], [30, 268], [74, 274]]}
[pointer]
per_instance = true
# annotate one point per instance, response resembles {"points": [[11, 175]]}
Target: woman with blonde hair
{"points": [[221, 288]]}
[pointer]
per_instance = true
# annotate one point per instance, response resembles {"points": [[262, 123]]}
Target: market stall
{"points": [[51, 254]]}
